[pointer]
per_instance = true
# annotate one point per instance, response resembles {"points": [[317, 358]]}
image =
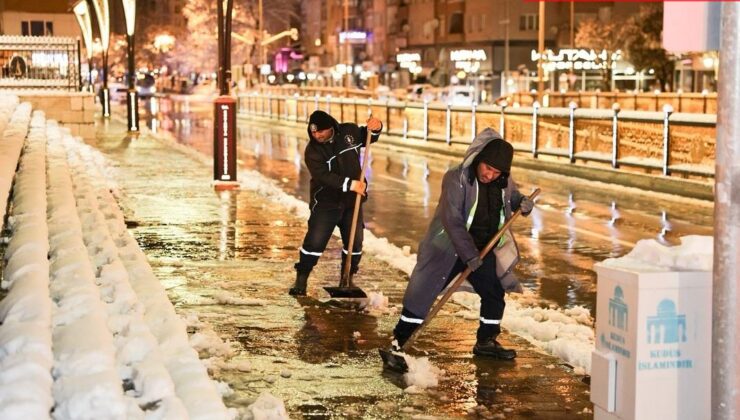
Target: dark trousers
{"points": [[321, 224], [486, 284]]}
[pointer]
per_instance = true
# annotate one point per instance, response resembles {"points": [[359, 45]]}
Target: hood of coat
{"points": [[478, 144], [322, 117]]}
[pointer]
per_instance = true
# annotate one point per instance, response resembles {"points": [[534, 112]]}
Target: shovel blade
{"points": [[393, 361], [345, 292]]}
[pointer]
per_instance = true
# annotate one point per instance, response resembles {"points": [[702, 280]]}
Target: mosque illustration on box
{"points": [[667, 326], [618, 310]]}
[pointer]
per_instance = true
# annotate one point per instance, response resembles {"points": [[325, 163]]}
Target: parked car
{"points": [[145, 85], [459, 95]]}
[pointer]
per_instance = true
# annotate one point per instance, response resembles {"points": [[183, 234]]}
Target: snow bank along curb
{"points": [[14, 121], [174, 364], [25, 334], [565, 333], [115, 354]]}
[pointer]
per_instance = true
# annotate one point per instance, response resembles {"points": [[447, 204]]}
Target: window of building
{"points": [[49, 28], [456, 23], [25, 30], [529, 22]]}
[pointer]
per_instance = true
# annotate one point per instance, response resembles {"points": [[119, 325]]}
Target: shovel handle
{"points": [[464, 275], [345, 281]]}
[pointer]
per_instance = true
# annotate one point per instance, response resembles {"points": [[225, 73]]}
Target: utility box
{"points": [[653, 344]]}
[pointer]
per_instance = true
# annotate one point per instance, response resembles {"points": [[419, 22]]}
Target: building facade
{"points": [[37, 18]]}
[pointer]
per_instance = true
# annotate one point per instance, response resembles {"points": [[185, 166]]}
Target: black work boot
{"points": [[492, 348], [299, 288]]}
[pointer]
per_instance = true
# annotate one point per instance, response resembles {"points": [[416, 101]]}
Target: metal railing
{"points": [[692, 102], [672, 143], [39, 62]]}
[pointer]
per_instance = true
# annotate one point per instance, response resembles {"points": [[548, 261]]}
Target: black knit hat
{"points": [[498, 153], [320, 120]]}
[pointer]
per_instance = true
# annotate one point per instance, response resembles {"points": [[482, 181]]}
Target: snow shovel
{"points": [[395, 360], [346, 290]]}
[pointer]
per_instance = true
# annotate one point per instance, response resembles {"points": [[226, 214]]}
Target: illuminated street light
{"points": [[82, 14], [132, 100], [102, 12], [164, 42]]}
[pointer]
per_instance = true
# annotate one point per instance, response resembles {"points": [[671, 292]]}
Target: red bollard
{"points": [[224, 143]]}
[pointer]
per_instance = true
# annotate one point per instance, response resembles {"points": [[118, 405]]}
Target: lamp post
{"points": [[82, 14], [224, 127], [102, 12], [132, 100], [541, 49]]}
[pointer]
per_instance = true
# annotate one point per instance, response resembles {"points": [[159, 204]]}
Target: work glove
{"points": [[374, 125], [526, 206], [358, 187], [474, 263]]}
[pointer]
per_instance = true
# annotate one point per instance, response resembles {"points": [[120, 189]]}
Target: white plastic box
{"points": [[653, 344]]}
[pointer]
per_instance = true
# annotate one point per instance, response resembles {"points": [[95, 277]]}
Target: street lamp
{"points": [[224, 115], [102, 12], [132, 100], [82, 14]]}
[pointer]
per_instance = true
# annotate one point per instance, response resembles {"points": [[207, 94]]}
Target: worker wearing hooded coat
{"points": [[477, 197], [333, 159]]}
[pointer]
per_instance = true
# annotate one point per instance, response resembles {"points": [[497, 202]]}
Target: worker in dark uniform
{"points": [[477, 197], [333, 159]]}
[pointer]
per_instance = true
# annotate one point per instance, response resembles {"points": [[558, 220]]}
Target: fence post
{"points": [[316, 101], [704, 94], [502, 121], [448, 124], [269, 105], [667, 111], [572, 132], [426, 119], [305, 107], [472, 121], [387, 116], [615, 136], [535, 108], [328, 104], [405, 128], [369, 107]]}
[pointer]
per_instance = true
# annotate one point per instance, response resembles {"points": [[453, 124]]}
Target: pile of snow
{"points": [[422, 374], [695, 253], [375, 302], [267, 407], [567, 334], [26, 357], [175, 356], [14, 121]]}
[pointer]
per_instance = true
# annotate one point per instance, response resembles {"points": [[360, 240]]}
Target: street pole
{"points": [[103, 15], [79, 64], [224, 110], [572, 21], [726, 276], [347, 58], [541, 49], [132, 97], [261, 37]]}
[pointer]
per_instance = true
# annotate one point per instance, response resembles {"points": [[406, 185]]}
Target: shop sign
{"points": [[468, 60], [577, 59], [353, 37]]}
